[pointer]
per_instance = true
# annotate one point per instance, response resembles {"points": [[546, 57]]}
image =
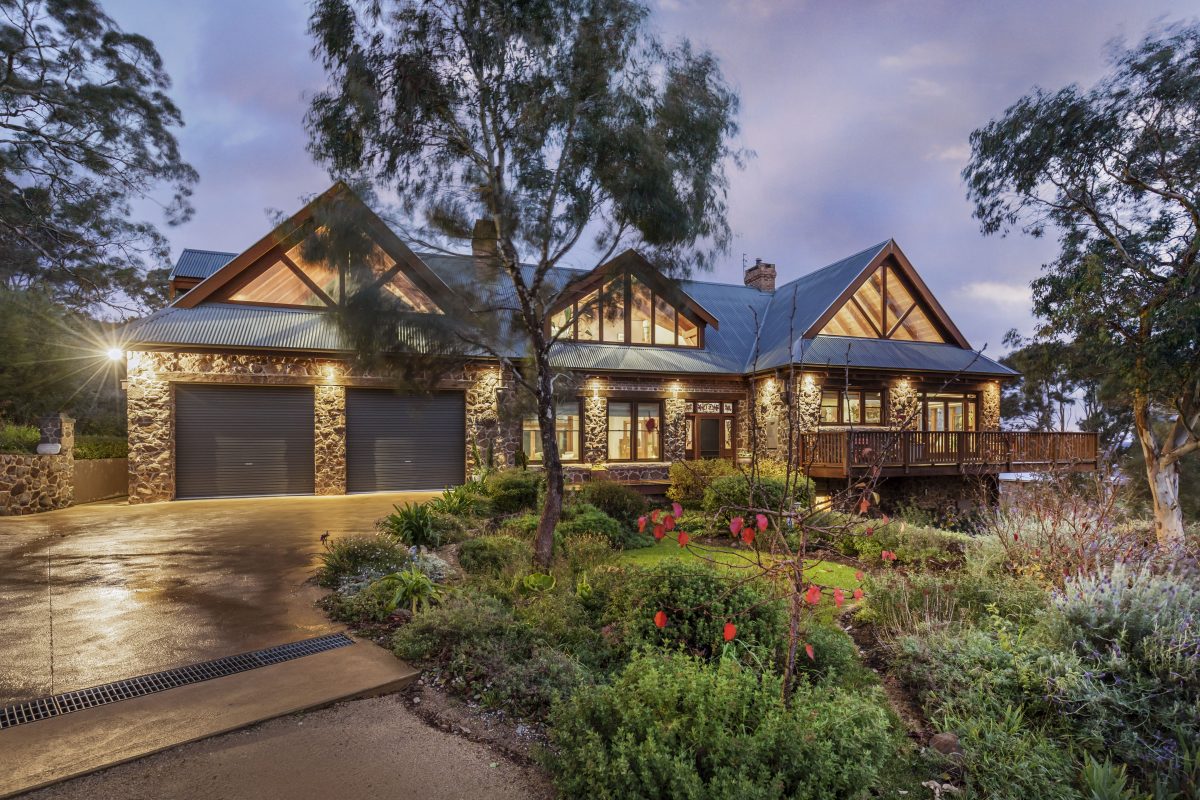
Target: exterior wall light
{"points": [[114, 353]]}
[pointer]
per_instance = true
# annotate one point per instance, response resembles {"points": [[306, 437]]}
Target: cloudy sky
{"points": [[858, 113]]}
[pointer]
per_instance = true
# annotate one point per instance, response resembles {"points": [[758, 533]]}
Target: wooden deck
{"points": [[836, 454]]}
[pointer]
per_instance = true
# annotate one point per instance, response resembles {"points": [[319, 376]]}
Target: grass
{"points": [[827, 573], [19, 438]]}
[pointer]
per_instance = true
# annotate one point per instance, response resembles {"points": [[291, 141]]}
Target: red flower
{"points": [[858, 576], [761, 519], [735, 525], [858, 594], [730, 631], [839, 597], [677, 509], [641, 524], [669, 522], [658, 531], [813, 595], [660, 619], [888, 555], [812, 656], [748, 535], [683, 539], [863, 506], [654, 515]]}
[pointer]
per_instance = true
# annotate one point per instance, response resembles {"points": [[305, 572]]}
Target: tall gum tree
{"points": [[1116, 170], [552, 122]]}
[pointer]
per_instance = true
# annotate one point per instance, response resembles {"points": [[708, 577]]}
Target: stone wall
{"points": [[989, 407], [904, 405], [150, 414], [944, 497], [32, 483], [329, 439]]}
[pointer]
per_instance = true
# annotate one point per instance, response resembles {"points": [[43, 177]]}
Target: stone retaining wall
{"points": [[32, 483]]}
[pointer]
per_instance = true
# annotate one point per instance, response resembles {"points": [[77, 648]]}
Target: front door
{"points": [[710, 437]]}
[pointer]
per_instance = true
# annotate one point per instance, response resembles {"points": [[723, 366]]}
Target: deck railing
{"points": [[1007, 451]]}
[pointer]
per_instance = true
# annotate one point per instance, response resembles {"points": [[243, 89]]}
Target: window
{"points": [[634, 431], [884, 308], [568, 423], [711, 429], [949, 412], [626, 310], [851, 407]]}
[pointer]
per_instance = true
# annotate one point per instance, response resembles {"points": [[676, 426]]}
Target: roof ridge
{"points": [[202, 250], [832, 264]]}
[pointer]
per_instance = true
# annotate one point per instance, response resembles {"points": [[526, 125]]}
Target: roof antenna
{"points": [[743, 262]]}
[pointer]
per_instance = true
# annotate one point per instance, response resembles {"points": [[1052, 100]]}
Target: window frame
{"points": [[571, 330], [579, 404], [635, 457], [970, 410], [861, 392]]}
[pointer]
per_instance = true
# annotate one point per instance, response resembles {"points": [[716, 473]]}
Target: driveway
{"points": [[105, 591]]}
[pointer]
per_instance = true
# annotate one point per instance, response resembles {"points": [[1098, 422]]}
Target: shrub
{"points": [[1006, 758], [90, 446], [493, 555], [902, 603], [447, 528], [460, 501], [690, 479], [585, 518], [513, 490], [834, 651], [353, 555], [912, 544], [586, 551], [619, 502], [673, 726], [19, 438], [728, 496], [698, 600], [410, 588], [521, 527], [413, 524], [434, 566]]}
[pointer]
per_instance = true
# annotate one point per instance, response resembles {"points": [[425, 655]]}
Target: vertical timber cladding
{"points": [[398, 442], [238, 441]]}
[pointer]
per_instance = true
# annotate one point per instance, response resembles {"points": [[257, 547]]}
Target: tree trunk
{"points": [[1164, 488], [551, 463]]}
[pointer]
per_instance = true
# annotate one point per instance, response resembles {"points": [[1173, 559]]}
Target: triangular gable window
{"points": [[884, 308], [278, 285], [627, 310]]}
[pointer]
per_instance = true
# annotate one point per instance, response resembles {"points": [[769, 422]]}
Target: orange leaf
{"points": [[658, 531], [660, 619], [677, 509], [669, 522], [888, 555], [735, 525], [748, 535], [730, 631], [863, 505], [654, 515], [683, 539], [813, 595], [812, 656], [886, 519], [761, 519]]}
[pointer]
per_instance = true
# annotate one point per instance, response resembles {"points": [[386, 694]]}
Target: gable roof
{"points": [[199, 263]]}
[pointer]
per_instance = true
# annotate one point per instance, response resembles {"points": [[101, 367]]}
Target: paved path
{"points": [[364, 749], [136, 589]]}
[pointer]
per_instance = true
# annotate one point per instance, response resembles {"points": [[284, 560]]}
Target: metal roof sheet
{"points": [[236, 325], [200, 263], [891, 354]]}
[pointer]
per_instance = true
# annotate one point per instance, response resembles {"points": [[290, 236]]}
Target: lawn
{"points": [[826, 573]]}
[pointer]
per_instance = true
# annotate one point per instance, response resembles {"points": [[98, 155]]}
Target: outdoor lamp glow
{"points": [[115, 353]]}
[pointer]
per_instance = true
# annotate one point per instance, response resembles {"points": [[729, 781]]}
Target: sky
{"points": [[858, 114]]}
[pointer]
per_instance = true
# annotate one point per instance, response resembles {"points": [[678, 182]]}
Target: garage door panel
{"points": [[401, 442], [237, 441]]}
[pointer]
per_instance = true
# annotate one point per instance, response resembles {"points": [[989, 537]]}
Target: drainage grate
{"points": [[65, 703]]}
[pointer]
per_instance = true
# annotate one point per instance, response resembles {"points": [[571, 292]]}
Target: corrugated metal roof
{"points": [[840, 351], [234, 325], [200, 263]]}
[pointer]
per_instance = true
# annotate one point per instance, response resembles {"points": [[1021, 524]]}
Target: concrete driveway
{"points": [[106, 591]]}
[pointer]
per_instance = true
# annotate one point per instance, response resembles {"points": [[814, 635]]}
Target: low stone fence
{"points": [[53, 478]]}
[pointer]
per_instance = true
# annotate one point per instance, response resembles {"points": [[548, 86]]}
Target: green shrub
{"points": [[19, 438], [521, 527], [493, 555], [728, 496], [690, 479], [586, 551], [89, 446], [513, 490], [904, 603], [912, 544], [835, 656], [675, 727], [617, 501], [448, 528], [413, 524], [353, 555], [1006, 758], [698, 600], [410, 588], [460, 501], [586, 518]]}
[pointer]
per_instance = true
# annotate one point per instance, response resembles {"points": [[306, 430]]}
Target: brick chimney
{"points": [[761, 276], [483, 239]]}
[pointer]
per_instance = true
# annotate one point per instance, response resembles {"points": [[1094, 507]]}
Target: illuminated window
{"points": [[829, 407], [278, 285], [949, 412], [641, 307], [626, 310], [634, 431], [851, 407], [613, 310], [884, 308], [568, 424]]}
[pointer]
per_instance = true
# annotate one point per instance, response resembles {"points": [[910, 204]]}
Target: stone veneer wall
{"points": [[32, 483], [989, 407], [904, 405], [329, 439]]}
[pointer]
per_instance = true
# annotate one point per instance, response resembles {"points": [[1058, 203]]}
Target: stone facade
{"points": [[904, 405], [329, 439], [31, 483], [493, 434], [150, 413], [989, 407]]}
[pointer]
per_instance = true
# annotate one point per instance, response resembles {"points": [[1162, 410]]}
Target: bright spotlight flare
{"points": [[115, 353]]}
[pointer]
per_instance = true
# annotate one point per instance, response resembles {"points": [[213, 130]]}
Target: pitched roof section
{"points": [[200, 263], [896, 356]]}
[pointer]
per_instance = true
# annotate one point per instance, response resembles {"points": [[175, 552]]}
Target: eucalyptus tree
{"points": [[1115, 170], [86, 129], [556, 125]]}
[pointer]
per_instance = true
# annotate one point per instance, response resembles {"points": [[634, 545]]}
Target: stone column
{"points": [[150, 409], [806, 404], [595, 430], [329, 436], [57, 429], [58, 470], [674, 430], [989, 407], [904, 406]]}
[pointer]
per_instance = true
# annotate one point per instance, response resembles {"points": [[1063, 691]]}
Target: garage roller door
{"points": [[237, 441], [400, 442]]}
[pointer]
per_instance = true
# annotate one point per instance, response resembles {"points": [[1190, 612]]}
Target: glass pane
{"points": [[664, 322], [648, 432], [956, 416], [708, 408], [689, 332], [568, 424], [531, 439], [727, 408], [588, 318], [562, 322], [936, 417], [620, 431], [899, 299], [852, 410], [690, 407], [872, 408], [917, 328], [409, 294], [640, 311], [970, 415], [278, 285], [321, 273], [690, 435], [829, 407], [850, 321], [728, 434], [614, 310]]}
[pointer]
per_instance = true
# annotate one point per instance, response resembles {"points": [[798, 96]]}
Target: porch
{"points": [[836, 454]]}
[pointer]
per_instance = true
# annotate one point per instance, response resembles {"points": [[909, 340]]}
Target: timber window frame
{"points": [[606, 315], [853, 406], [529, 426], [643, 444]]}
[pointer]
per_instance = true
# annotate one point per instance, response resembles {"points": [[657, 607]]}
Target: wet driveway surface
{"points": [[112, 590]]}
